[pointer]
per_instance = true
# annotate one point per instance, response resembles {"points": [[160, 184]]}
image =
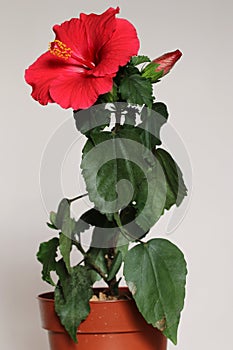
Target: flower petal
{"points": [[42, 73], [119, 49], [87, 35], [78, 91]]}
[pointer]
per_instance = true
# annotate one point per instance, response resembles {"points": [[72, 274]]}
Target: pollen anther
{"points": [[60, 49]]}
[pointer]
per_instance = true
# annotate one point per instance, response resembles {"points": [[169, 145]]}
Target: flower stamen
{"points": [[59, 49]]}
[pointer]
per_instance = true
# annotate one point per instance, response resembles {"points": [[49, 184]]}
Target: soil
{"points": [[104, 296]]}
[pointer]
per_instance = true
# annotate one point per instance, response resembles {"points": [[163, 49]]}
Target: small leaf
{"points": [[156, 274], [63, 213], [52, 218], [136, 90], [51, 226], [46, 255], [136, 60], [72, 297]]}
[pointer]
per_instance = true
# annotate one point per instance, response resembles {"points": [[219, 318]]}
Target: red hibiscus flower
{"points": [[82, 60], [167, 61]]}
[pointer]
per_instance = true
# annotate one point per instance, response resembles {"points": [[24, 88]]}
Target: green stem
{"points": [[88, 262], [76, 198], [96, 269]]}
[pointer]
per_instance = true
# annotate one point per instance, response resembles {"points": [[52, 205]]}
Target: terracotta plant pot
{"points": [[115, 325]]}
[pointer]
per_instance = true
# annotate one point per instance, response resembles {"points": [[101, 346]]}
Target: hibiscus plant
{"points": [[92, 66]]}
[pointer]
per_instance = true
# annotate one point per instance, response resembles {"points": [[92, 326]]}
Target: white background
{"points": [[199, 95]]}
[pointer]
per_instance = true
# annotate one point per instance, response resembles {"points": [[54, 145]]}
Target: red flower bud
{"points": [[167, 61]]}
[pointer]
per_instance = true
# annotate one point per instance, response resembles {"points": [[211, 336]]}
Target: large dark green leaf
{"points": [[151, 197], [107, 159], [128, 218], [72, 297], [176, 189], [136, 90], [156, 274], [47, 256], [162, 188], [94, 218]]}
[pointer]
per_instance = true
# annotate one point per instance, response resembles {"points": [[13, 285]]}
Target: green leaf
{"points": [[104, 237], [136, 90], [95, 118], [136, 60], [72, 297], [152, 121], [65, 245], [161, 108], [94, 218], [63, 213], [156, 274], [95, 257], [103, 182], [176, 189], [51, 226], [100, 222], [161, 188], [151, 197], [149, 72], [81, 225], [116, 264], [128, 217], [46, 255], [52, 217], [130, 115]]}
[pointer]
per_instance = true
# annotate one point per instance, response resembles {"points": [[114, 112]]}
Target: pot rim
{"points": [[49, 296]]}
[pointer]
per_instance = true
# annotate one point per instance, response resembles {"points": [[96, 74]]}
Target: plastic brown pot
{"points": [[115, 325]]}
